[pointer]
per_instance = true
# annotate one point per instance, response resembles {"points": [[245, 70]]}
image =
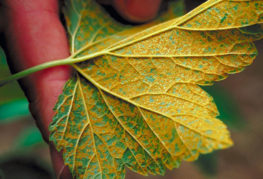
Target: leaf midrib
{"points": [[177, 22]]}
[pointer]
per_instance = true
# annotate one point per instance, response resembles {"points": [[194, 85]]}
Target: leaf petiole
{"points": [[34, 69], [67, 61]]}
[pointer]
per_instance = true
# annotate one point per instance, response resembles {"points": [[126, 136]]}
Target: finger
{"points": [[35, 35], [137, 10], [60, 168]]}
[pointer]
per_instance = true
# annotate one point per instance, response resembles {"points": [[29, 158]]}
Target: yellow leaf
{"points": [[135, 101]]}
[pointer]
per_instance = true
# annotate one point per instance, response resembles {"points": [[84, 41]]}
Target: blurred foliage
{"points": [[230, 115], [29, 138], [2, 57], [13, 110], [208, 164], [13, 104], [11, 91], [227, 107], [19, 162]]}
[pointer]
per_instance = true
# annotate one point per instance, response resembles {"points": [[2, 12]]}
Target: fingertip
{"points": [[137, 10]]}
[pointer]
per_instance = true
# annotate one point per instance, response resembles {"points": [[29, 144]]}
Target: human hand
{"points": [[35, 35]]}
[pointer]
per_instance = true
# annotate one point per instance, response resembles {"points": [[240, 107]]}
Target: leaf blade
{"points": [[142, 96]]}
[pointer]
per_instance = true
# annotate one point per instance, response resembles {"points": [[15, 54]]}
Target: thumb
{"points": [[35, 35]]}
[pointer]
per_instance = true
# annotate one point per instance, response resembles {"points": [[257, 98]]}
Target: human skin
{"points": [[35, 35]]}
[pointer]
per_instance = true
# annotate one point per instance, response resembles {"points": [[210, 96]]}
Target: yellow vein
{"points": [[65, 98], [173, 55], [156, 135], [69, 111], [91, 42], [76, 28], [171, 95], [237, 27], [77, 143], [143, 169], [134, 103], [183, 142], [208, 4], [124, 127], [178, 21], [92, 157], [92, 131]]}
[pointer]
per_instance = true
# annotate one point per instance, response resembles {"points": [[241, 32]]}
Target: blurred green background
{"points": [[23, 153], [239, 98]]}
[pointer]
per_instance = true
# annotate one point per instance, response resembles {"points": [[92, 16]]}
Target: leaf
{"points": [[135, 100]]}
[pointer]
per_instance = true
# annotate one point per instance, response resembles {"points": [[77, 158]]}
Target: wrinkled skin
{"points": [[34, 35]]}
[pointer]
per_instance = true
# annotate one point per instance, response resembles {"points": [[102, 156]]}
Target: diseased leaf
{"points": [[135, 101]]}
